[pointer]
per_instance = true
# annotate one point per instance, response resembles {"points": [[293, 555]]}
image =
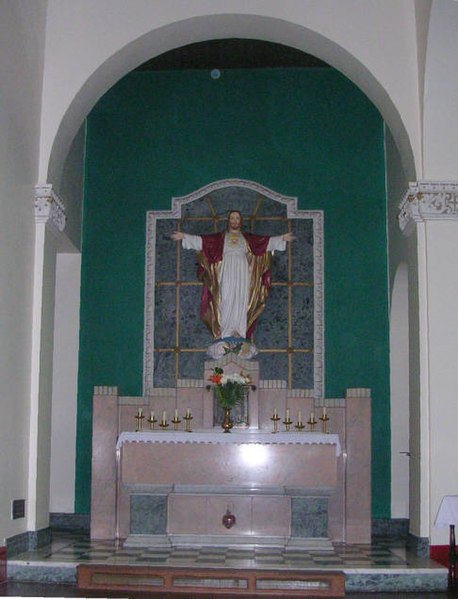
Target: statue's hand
{"points": [[289, 237], [177, 235]]}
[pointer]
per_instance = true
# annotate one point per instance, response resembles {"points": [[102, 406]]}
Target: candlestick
{"points": [[163, 423], [324, 420], [175, 420], [312, 421], [275, 418], [187, 419], [299, 424], [139, 418], [152, 420], [287, 421]]}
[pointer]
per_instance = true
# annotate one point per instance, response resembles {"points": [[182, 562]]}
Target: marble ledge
{"points": [[228, 490]]}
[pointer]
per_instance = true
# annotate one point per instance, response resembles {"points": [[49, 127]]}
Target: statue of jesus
{"points": [[234, 267]]}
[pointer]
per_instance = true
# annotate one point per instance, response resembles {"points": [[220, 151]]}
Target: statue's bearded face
{"points": [[235, 221]]}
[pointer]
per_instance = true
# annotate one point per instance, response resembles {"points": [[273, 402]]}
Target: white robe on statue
{"points": [[234, 280]]}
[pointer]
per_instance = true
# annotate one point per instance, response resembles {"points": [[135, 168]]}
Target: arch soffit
{"points": [[196, 29]]}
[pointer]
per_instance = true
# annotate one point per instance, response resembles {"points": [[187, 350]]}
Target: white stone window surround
{"points": [[292, 213]]}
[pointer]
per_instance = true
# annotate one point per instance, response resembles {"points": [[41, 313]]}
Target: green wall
{"points": [[308, 133]]}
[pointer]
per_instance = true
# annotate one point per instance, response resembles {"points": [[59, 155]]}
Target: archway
{"points": [[62, 123]]}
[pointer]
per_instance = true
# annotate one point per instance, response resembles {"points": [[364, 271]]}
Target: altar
{"points": [[254, 486], [216, 489]]}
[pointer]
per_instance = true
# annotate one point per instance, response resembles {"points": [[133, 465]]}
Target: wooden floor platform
{"points": [[218, 581]]}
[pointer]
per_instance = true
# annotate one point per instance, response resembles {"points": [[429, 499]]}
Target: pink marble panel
{"points": [[244, 464], [269, 399], [336, 502], [208, 409], [187, 514], [103, 495], [191, 398], [271, 515], [358, 472], [127, 420], [123, 514]]}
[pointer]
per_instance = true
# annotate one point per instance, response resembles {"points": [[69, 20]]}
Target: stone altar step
{"points": [[357, 579], [218, 581], [245, 541]]}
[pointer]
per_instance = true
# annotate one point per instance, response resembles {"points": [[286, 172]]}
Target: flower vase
{"points": [[227, 422]]}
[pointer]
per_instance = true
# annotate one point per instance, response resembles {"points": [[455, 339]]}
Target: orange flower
{"points": [[216, 378]]}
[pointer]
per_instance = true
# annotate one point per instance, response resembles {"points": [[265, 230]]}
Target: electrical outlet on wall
{"points": [[17, 509]]}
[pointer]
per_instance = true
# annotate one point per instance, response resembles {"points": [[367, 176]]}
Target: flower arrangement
{"points": [[229, 388]]}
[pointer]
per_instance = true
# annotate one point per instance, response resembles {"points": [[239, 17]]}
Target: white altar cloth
{"points": [[235, 437]]}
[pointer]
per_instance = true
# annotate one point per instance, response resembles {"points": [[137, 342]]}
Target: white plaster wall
{"points": [[399, 372], [420, 392], [441, 93], [400, 362], [71, 188], [92, 43], [22, 30], [41, 377], [442, 248], [64, 395]]}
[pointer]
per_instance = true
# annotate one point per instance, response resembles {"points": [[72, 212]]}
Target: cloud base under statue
{"points": [[232, 345]]}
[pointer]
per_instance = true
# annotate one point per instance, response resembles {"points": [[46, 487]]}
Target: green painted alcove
{"points": [[308, 133]]}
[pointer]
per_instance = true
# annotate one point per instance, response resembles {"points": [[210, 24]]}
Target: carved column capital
{"points": [[49, 208], [428, 200]]}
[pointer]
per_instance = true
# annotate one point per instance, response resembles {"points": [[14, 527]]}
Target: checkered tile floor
{"points": [[80, 549]]}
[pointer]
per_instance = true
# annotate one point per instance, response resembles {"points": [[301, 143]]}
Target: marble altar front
{"points": [[288, 488]]}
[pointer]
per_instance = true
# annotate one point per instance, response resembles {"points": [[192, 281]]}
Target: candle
{"points": [[287, 414], [164, 417], [188, 412], [312, 416], [176, 414], [324, 411], [275, 412], [151, 416], [140, 412], [299, 417]]}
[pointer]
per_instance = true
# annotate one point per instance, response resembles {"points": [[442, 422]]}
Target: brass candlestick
{"points": [[175, 421], [324, 419], [287, 422], [275, 418], [163, 424], [312, 421], [300, 426], [187, 419], [152, 421], [139, 418]]}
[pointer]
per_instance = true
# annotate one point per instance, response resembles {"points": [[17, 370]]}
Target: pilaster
{"points": [[429, 211], [49, 222]]}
